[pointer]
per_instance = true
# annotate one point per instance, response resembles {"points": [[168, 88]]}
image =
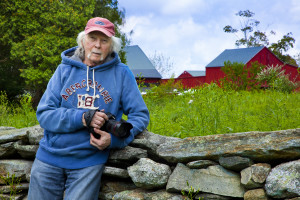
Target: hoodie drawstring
{"points": [[87, 79], [93, 83]]}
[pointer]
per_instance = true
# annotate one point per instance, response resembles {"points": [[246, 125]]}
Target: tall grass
{"points": [[211, 110], [17, 114]]}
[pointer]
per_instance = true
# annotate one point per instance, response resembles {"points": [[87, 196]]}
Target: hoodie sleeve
{"points": [[50, 114], [134, 107]]}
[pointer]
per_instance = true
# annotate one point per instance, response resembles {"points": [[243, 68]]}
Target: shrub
{"points": [[238, 76], [274, 77]]}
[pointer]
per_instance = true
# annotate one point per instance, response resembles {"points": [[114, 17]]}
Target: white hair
{"points": [[116, 45]]}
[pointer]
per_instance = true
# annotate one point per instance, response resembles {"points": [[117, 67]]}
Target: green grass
{"points": [[216, 111], [17, 114], [212, 111]]}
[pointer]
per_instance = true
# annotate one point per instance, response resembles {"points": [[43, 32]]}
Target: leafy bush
{"points": [[274, 77], [238, 76]]}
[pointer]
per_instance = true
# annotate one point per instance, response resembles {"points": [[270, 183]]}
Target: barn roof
{"points": [[139, 63], [242, 55], [196, 73]]}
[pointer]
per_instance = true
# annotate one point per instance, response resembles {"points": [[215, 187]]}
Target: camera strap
{"points": [[88, 116]]}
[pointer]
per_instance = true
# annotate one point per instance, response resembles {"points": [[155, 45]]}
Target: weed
{"points": [[13, 182], [191, 194]]}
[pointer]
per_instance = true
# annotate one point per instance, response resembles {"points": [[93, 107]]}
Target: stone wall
{"points": [[250, 165]]}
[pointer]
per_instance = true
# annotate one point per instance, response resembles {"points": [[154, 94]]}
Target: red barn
{"points": [[246, 55], [191, 78]]}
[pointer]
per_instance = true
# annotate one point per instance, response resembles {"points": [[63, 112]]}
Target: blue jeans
{"points": [[48, 182]]}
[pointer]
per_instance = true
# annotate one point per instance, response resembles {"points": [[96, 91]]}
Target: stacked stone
{"points": [[251, 165]]}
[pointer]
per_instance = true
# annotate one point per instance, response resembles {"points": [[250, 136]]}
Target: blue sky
{"points": [[190, 32]]}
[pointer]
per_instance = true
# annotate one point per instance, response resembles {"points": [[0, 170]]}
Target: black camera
{"points": [[120, 128]]}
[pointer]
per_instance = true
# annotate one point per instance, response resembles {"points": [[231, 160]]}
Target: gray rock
{"points": [[18, 168], [126, 156], [7, 150], [257, 194], [3, 128], [145, 144], [156, 139], [16, 197], [13, 135], [115, 172], [141, 194], [25, 151], [148, 174], [215, 179], [137, 194], [284, 180], [254, 176], [207, 196], [162, 195], [150, 141], [110, 188], [35, 134], [7, 188], [258, 146], [235, 163], [200, 164]]}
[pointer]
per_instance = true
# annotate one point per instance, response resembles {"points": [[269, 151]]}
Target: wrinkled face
{"points": [[97, 47]]}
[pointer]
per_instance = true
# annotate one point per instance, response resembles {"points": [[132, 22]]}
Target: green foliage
{"points": [[13, 182], [191, 194], [283, 45], [34, 33], [141, 82], [165, 89], [274, 77], [238, 76], [17, 114], [210, 110]]}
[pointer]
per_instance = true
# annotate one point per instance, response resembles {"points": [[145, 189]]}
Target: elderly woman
{"points": [[70, 160]]}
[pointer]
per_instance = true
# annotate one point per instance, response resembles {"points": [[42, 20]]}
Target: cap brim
{"points": [[107, 33]]}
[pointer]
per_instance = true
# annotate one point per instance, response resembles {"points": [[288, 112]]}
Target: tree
{"points": [[239, 76], [34, 33], [162, 64], [252, 37]]}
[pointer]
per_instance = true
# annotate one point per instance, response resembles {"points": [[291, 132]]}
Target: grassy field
{"points": [[203, 111], [211, 110]]}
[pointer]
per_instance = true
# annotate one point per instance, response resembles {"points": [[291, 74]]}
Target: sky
{"points": [[190, 32]]}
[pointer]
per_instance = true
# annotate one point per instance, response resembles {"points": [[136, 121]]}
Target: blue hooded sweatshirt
{"points": [[74, 89]]}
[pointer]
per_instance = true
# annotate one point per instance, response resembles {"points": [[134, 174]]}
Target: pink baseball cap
{"points": [[100, 24]]}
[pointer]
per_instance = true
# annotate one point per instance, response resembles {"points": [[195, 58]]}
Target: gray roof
{"points": [[196, 73], [139, 63], [242, 55]]}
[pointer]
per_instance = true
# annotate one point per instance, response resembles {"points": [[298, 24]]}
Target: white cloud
{"points": [[182, 7]]}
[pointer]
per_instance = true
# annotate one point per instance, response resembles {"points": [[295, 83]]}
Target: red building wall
{"points": [[213, 74], [185, 74]]}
